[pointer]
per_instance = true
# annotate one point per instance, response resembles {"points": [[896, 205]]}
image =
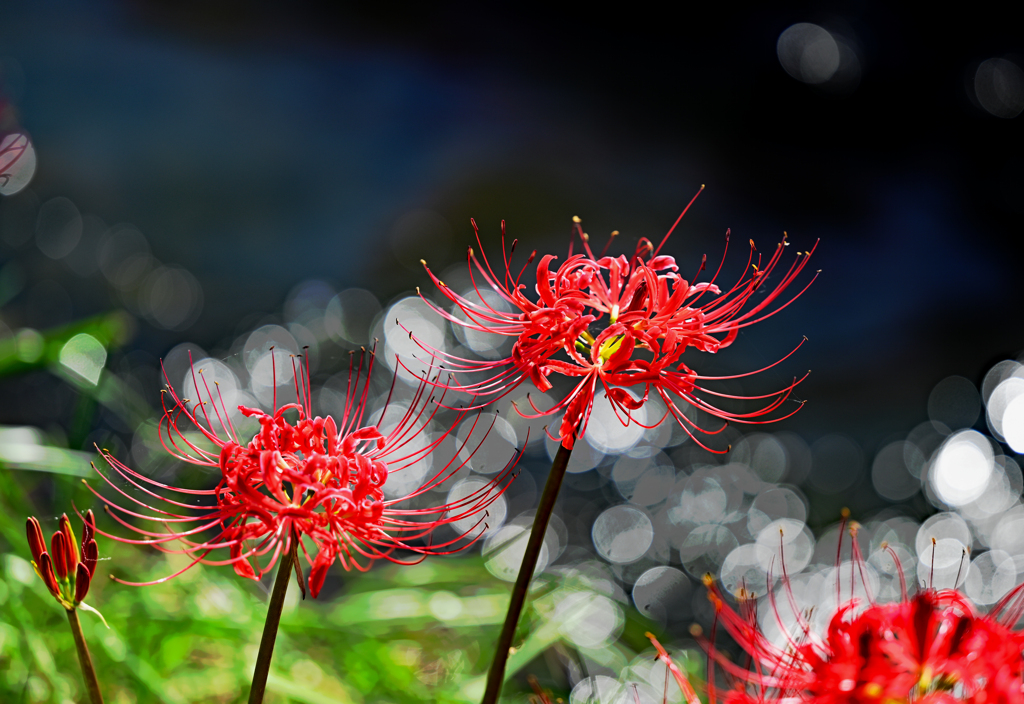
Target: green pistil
{"points": [[586, 343]]}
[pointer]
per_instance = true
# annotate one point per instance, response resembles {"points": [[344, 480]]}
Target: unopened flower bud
{"points": [[90, 554], [49, 578], [88, 527], [36, 542], [59, 555], [82, 580], [71, 543]]}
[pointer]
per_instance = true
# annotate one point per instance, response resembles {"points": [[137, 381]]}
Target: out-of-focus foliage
{"points": [[397, 633]]}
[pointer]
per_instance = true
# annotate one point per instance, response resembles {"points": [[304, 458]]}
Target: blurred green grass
{"points": [[419, 633]]}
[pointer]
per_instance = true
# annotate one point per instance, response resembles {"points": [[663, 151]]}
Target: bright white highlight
{"points": [[84, 356], [961, 471]]}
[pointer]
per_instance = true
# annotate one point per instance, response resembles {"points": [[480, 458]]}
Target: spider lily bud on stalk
{"points": [[67, 570]]}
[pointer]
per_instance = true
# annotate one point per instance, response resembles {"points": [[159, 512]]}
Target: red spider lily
{"points": [[67, 570], [619, 322], [313, 477], [933, 647]]}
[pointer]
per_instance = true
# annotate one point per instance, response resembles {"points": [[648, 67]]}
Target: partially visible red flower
{"points": [[616, 323], [17, 159], [66, 569], [934, 647], [300, 477]]}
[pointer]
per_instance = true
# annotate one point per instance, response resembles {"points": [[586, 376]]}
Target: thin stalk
{"points": [[92, 685], [496, 675], [259, 677]]}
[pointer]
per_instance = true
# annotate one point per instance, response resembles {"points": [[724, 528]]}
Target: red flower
{"points": [[300, 476], [617, 322], [66, 570], [931, 647]]}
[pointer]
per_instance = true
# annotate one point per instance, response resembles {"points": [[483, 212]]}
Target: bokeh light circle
{"points": [[808, 53], [622, 534], [610, 429], [991, 576], [662, 594], [962, 468], [487, 442]]}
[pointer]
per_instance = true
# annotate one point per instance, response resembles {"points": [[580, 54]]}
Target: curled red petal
{"points": [[318, 573], [621, 397]]}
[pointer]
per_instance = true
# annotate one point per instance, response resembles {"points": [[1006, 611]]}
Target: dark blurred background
{"points": [[258, 146], [202, 166]]}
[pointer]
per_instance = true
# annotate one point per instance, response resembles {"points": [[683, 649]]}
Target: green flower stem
{"points": [[259, 677], [496, 675], [92, 685]]}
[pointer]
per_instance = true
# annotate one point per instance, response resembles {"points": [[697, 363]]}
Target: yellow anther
{"points": [[576, 219], [926, 679]]}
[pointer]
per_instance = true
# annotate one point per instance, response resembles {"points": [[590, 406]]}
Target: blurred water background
{"points": [[216, 178]]}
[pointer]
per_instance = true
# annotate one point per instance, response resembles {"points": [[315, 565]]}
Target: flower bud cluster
{"points": [[67, 570]]}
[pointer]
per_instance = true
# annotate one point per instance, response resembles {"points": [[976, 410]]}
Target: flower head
{"points": [[67, 569], [300, 477], [934, 646], [616, 323]]}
